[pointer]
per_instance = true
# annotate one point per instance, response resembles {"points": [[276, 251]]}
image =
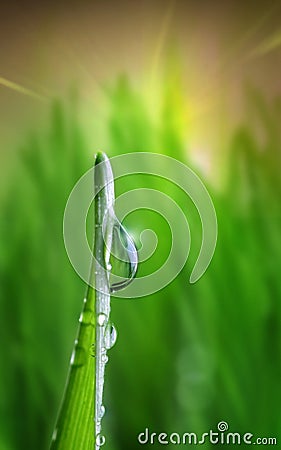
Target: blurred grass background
{"points": [[186, 357], [191, 355]]}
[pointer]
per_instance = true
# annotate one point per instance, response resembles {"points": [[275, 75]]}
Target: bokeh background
{"points": [[199, 81]]}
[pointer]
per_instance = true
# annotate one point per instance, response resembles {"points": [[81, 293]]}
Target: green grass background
{"points": [[186, 357]]}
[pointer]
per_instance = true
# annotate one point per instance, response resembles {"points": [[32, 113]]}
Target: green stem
{"points": [[79, 421]]}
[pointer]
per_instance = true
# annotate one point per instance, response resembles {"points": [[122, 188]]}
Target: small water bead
{"points": [[100, 440], [78, 357], [102, 412], [110, 336], [104, 358], [54, 436], [87, 317], [101, 319]]}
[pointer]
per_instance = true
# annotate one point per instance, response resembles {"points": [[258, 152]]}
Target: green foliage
{"points": [[188, 356]]}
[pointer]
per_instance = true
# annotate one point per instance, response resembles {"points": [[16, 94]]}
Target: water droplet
{"points": [[110, 336], [78, 357], [122, 255], [104, 358], [54, 436], [87, 317], [102, 412], [100, 440], [101, 319]]}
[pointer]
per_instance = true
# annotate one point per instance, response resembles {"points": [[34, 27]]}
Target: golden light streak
{"points": [[21, 89], [166, 21], [268, 45], [207, 96]]}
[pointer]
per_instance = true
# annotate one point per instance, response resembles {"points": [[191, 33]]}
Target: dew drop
{"points": [[104, 358], [122, 254], [54, 436], [110, 336], [102, 412], [100, 440], [101, 319], [78, 357], [87, 317]]}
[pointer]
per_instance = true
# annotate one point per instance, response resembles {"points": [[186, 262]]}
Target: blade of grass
{"points": [[82, 402]]}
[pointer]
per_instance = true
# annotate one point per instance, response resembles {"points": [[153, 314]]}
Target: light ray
{"points": [[21, 89], [268, 45], [166, 21], [207, 96]]}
